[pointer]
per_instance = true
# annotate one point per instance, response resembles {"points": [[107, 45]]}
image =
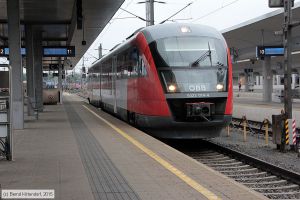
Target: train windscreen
{"points": [[195, 80], [189, 52], [191, 64]]}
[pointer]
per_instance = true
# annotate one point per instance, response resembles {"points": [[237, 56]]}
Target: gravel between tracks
{"points": [[255, 147]]}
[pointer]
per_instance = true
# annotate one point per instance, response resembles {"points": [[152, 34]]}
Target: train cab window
{"points": [[189, 51]]}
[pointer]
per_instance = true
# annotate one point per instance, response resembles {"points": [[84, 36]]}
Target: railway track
{"points": [[253, 126], [272, 181]]}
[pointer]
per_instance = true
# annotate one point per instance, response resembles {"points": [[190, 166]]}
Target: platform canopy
{"points": [[57, 19], [263, 30]]}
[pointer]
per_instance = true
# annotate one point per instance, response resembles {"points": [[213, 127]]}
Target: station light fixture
{"points": [[295, 52], [275, 3], [278, 33], [241, 61], [278, 3]]}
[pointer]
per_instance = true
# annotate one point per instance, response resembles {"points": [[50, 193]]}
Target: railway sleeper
{"points": [[258, 174], [246, 177], [272, 183], [212, 153], [237, 168], [221, 161], [241, 172], [225, 158], [211, 157], [224, 164], [287, 188], [283, 195], [196, 153], [259, 179]]}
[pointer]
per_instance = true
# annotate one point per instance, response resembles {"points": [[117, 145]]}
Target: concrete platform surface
{"points": [[256, 110], [84, 153]]}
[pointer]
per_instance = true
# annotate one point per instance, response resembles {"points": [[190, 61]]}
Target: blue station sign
{"points": [[59, 51], [264, 51], [4, 51], [48, 51]]}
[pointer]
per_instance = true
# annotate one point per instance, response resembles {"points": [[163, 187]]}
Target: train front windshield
{"points": [[191, 64]]}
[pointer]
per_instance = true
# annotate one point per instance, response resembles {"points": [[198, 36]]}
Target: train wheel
{"points": [[131, 118], [101, 105]]}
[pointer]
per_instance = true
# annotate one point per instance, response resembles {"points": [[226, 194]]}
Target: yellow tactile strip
{"points": [[205, 192]]}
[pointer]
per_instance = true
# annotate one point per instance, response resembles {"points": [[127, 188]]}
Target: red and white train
{"points": [[171, 80]]}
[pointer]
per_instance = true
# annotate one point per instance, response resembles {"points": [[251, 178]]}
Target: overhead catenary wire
{"points": [[112, 20], [104, 31], [123, 9], [175, 20], [134, 14], [176, 12], [216, 10]]}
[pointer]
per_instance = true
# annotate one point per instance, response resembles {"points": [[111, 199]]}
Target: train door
{"points": [[114, 78], [100, 85], [91, 81]]}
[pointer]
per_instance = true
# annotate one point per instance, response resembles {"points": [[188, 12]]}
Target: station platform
{"points": [[256, 110], [84, 153]]}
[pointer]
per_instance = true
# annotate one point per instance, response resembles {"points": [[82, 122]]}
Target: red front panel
{"points": [[145, 94], [229, 103]]}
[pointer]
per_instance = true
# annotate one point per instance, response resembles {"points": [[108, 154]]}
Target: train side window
{"points": [[130, 64], [134, 62], [123, 66], [120, 66], [142, 68]]}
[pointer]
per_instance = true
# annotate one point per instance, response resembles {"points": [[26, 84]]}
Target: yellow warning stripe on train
{"points": [[205, 192]]}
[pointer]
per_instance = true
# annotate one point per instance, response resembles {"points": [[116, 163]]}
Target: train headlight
{"points": [[172, 88], [220, 87], [185, 29]]}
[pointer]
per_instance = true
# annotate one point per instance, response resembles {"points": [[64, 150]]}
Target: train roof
{"points": [[159, 31]]}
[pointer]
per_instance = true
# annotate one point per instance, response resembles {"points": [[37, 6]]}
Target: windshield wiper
{"points": [[220, 64], [203, 57]]}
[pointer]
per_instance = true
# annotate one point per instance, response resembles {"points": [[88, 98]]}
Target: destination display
{"points": [[4, 51], [49, 51], [263, 51], [67, 51]]}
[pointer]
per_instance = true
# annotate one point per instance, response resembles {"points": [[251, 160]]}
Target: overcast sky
{"points": [[220, 14]]}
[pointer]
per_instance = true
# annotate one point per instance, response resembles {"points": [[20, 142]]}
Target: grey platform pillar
{"points": [[294, 80], [257, 80], [278, 82], [30, 70], [60, 88], [38, 68], [267, 83], [246, 77], [15, 60], [261, 80]]}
